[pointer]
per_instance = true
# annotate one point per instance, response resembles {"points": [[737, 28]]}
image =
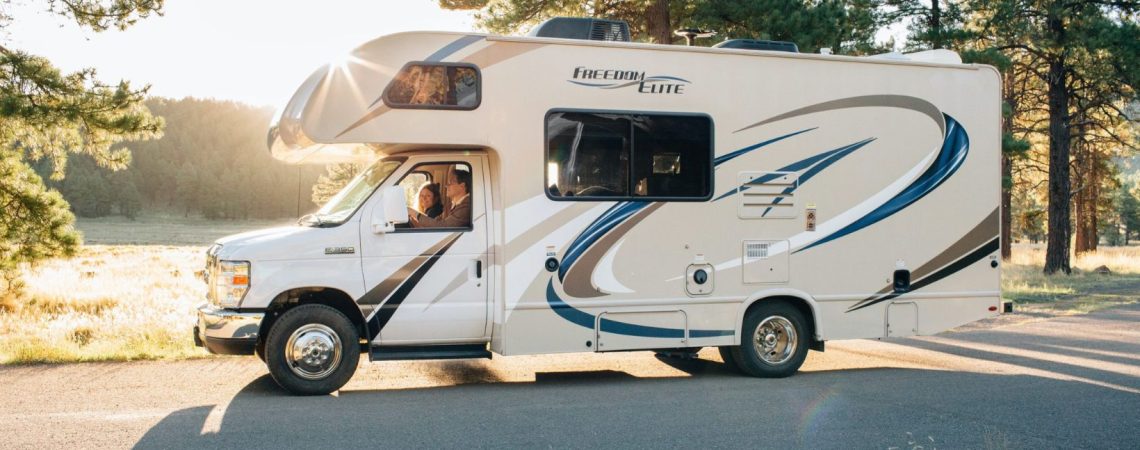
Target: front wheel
{"points": [[312, 350], [774, 341]]}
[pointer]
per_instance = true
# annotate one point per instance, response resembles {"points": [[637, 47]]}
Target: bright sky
{"points": [[253, 51]]}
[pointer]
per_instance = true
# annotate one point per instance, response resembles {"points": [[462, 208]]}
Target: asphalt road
{"points": [[1017, 382]]}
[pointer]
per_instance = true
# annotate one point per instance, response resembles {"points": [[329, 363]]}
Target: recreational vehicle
{"points": [[571, 191]]}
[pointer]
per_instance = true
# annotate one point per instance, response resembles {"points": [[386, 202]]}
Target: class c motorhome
{"points": [[598, 195]]}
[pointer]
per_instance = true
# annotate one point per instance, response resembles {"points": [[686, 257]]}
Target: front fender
{"points": [[270, 278]]}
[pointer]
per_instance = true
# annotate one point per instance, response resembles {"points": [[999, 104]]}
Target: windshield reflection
{"points": [[341, 206]]}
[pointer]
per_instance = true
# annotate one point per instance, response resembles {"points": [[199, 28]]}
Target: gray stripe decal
{"points": [[891, 101], [453, 47]]}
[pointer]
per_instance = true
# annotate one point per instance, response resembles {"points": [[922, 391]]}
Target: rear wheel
{"points": [[774, 341], [312, 350]]}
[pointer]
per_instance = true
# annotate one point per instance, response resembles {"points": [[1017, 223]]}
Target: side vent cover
{"points": [[583, 28], [755, 250], [767, 195]]}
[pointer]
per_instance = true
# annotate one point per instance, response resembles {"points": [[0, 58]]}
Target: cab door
{"points": [[427, 283]]}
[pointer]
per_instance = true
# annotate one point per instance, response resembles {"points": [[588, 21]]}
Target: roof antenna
{"points": [[692, 34]]}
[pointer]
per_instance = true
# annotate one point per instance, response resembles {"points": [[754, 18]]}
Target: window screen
{"points": [[623, 156], [434, 86]]}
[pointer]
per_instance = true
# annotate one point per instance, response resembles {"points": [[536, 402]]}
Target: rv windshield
{"points": [[341, 206]]}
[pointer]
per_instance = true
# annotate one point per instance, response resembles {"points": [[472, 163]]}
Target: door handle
{"points": [[478, 268]]}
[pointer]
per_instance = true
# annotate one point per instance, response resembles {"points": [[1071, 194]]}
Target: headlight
{"points": [[229, 281]]}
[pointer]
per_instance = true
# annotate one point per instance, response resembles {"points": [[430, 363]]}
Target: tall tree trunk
{"points": [[935, 24], [1083, 173], [1059, 234], [1010, 92], [1094, 199], [657, 22], [1006, 209]]}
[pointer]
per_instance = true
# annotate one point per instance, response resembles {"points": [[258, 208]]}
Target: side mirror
{"points": [[392, 210]]}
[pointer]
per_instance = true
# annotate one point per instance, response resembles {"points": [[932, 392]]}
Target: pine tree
{"points": [[336, 177], [47, 115], [844, 26], [651, 20], [1066, 39]]}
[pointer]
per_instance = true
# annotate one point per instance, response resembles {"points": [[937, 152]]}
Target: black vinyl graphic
{"points": [[388, 309], [974, 256]]}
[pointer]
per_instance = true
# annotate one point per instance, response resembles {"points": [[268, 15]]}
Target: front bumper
{"points": [[226, 332]]}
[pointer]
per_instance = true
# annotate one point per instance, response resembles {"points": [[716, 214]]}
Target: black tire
{"points": [[317, 319], [259, 350], [729, 360], [748, 356]]}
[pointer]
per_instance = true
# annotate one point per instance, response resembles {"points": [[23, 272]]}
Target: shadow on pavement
{"points": [[865, 408]]}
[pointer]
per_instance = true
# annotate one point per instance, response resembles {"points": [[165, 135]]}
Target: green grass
{"points": [[1084, 291]]}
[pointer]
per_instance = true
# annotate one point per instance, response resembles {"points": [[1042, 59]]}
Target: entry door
{"points": [[428, 284]]}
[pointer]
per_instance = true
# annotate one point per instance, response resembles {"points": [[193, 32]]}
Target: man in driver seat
{"points": [[458, 213]]}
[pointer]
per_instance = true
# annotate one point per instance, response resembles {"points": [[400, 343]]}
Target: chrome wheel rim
{"points": [[313, 351], [775, 340]]}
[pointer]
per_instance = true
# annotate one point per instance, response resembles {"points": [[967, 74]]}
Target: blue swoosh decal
{"points": [[835, 155], [584, 319], [604, 223], [801, 164], [738, 153], [623, 210], [591, 84], [955, 147]]}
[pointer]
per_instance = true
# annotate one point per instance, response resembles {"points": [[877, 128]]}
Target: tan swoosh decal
{"points": [[892, 101], [577, 282], [979, 235]]}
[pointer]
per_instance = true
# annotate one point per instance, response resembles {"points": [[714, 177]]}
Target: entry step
{"points": [[411, 352]]}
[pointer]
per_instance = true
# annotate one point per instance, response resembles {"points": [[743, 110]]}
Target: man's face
{"points": [[454, 187]]}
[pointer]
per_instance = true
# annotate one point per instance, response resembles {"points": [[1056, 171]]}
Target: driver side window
{"points": [[439, 196]]}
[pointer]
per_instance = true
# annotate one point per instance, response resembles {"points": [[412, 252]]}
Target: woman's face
{"points": [[427, 199]]}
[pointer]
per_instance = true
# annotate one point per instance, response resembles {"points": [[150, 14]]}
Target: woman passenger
{"points": [[429, 203]]}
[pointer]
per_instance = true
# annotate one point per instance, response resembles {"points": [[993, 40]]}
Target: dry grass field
{"points": [[131, 292], [1082, 292]]}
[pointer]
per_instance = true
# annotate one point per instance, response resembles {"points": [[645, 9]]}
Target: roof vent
{"points": [[756, 44], [583, 28]]}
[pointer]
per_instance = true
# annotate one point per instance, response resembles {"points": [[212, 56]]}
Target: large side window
{"points": [[587, 155], [628, 156], [434, 86]]}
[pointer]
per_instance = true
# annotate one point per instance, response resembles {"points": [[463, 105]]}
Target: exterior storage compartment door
{"points": [[902, 319]]}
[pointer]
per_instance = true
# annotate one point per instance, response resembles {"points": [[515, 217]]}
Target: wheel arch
{"points": [[332, 297], [798, 299]]}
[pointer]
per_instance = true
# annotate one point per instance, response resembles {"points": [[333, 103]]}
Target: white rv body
{"points": [[865, 170]]}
